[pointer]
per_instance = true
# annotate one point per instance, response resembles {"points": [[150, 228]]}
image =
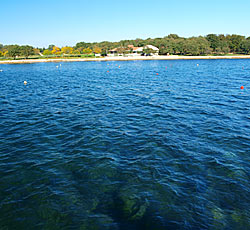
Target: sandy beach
{"points": [[171, 57]]}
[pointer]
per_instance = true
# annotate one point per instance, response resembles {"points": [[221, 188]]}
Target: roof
{"points": [[115, 49], [152, 47], [134, 48], [138, 49]]}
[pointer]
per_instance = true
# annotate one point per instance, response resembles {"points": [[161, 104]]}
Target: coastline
{"points": [[172, 57]]}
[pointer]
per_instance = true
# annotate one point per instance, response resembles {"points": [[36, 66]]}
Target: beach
{"points": [[120, 58]]}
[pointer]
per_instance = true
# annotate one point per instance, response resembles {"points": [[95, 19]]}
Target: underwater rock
{"points": [[241, 220], [99, 221], [219, 218], [132, 206]]}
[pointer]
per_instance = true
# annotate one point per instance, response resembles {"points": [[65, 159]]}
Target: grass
{"points": [[71, 56]]}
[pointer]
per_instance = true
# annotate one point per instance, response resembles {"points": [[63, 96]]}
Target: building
{"points": [[155, 50], [133, 51]]}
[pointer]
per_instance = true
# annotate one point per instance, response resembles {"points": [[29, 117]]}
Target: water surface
{"points": [[83, 148]]}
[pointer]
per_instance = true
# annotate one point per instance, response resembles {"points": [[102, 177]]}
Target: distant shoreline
{"points": [[171, 57]]}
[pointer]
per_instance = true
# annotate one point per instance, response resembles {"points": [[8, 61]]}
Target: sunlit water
{"points": [[147, 145]]}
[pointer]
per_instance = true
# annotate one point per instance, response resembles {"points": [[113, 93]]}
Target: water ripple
{"points": [[83, 148]]}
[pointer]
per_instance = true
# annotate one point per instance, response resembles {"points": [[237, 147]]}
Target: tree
{"points": [[234, 42], [5, 53], [82, 45], [50, 47], [213, 40], [190, 47], [245, 46], [173, 36], [37, 51], [148, 51], [122, 50], [97, 50], [14, 51], [203, 45], [1, 54], [76, 52], [67, 50], [56, 50], [47, 52], [26, 51], [87, 51]]}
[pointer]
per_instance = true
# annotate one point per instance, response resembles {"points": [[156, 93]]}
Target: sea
{"points": [[109, 145]]}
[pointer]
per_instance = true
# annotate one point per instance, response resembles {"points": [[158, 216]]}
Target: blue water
{"points": [[83, 148]]}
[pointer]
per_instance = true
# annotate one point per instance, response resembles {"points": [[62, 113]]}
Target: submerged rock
{"points": [[99, 221], [131, 205]]}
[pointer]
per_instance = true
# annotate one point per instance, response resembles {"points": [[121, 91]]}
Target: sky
{"points": [[65, 22]]}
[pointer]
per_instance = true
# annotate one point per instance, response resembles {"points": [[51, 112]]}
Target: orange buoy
{"points": [[107, 71], [242, 87], [157, 74]]}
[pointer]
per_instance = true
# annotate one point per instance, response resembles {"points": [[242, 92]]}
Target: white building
{"points": [[155, 49], [133, 51]]}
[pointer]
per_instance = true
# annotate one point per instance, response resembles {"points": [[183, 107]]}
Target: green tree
{"points": [[213, 40], [245, 46], [47, 52], [26, 51], [122, 50], [148, 51], [13, 51], [190, 47], [82, 45], [234, 42], [50, 47], [37, 51], [173, 36]]}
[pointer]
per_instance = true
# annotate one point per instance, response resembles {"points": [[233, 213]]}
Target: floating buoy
{"points": [[25, 82], [60, 64], [57, 66], [119, 66], [242, 87], [157, 74], [107, 71], [197, 64], [1, 70]]}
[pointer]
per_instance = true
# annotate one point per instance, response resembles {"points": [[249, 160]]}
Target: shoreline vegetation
{"points": [[211, 46], [121, 58]]}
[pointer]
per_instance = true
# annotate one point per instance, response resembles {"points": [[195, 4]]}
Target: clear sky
{"points": [[66, 22]]}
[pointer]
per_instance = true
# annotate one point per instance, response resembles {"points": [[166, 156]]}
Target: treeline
{"points": [[175, 45], [16, 50], [212, 44]]}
